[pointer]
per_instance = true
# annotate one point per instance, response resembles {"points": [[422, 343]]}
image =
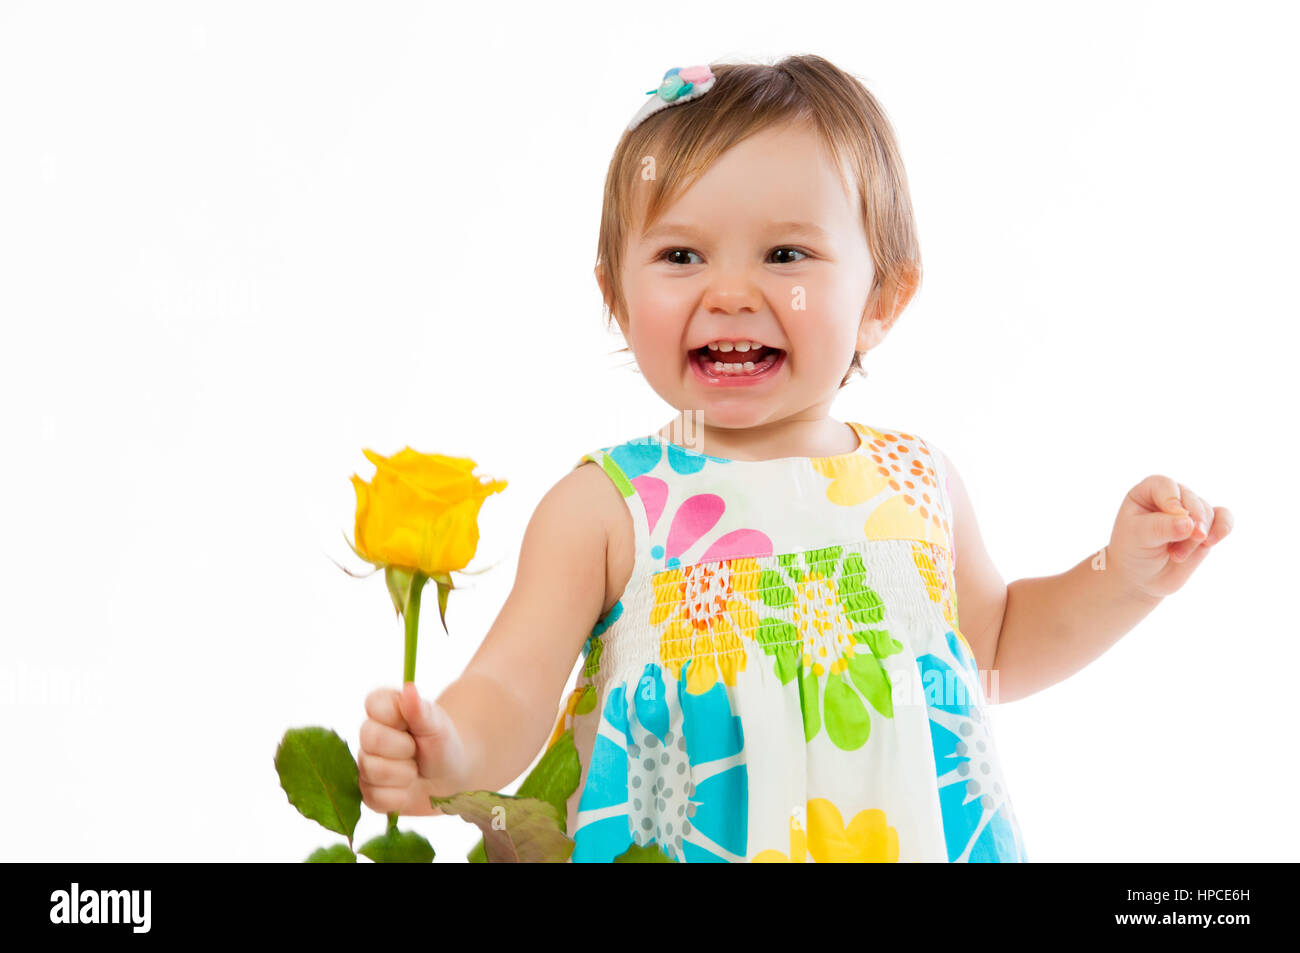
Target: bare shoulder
{"points": [[577, 510], [981, 592], [594, 492]]}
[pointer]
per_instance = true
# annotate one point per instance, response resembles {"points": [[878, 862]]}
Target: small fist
{"points": [[410, 749], [1162, 533]]}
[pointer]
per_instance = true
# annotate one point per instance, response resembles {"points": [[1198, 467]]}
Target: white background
{"points": [[241, 241]]}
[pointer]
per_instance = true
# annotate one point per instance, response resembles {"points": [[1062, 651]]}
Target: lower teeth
{"points": [[732, 369]]}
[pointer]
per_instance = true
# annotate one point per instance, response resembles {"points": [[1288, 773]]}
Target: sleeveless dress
{"points": [[784, 678]]}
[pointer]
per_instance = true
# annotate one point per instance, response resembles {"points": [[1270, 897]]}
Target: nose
{"points": [[731, 292]]}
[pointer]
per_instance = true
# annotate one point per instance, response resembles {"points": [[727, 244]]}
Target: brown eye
{"points": [[668, 253], [777, 251]]}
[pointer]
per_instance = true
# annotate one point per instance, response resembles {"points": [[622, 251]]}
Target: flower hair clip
{"points": [[680, 85]]}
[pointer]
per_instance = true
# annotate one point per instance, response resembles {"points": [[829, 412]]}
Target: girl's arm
{"points": [[981, 593], [1055, 625], [505, 702], [1038, 631]]}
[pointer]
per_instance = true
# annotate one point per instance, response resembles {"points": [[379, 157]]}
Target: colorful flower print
{"points": [[591, 648], [694, 519], [641, 456], [580, 701], [629, 466], [706, 611], [868, 838], [897, 470], [668, 767], [978, 821], [826, 607], [935, 565], [769, 595]]}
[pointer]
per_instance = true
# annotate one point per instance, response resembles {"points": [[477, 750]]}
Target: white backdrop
{"points": [[239, 242]]}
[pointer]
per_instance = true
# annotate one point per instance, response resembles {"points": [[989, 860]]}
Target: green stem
{"points": [[412, 617]]}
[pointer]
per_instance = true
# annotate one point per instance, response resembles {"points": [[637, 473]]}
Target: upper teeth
{"points": [[734, 345]]}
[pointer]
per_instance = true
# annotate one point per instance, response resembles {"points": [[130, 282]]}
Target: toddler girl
{"points": [[766, 599]]}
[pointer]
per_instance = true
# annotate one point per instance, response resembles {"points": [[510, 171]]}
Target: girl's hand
{"points": [[1161, 534], [410, 749]]}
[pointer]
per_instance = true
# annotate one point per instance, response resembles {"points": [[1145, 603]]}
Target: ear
{"points": [[884, 305], [874, 326]]}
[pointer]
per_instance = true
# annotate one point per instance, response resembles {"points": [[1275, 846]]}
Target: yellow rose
{"points": [[420, 511]]}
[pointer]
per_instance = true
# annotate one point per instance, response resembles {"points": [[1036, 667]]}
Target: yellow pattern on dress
{"points": [[868, 838], [707, 611]]}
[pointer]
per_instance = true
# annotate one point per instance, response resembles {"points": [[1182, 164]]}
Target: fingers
{"points": [[1167, 495], [1165, 492], [1159, 529], [1221, 526], [382, 706], [1176, 516], [1202, 516], [381, 800], [385, 742], [386, 766], [403, 711], [386, 758], [383, 772], [1200, 511], [421, 720]]}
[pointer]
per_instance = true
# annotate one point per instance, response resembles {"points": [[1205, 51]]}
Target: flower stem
{"points": [[412, 618]]}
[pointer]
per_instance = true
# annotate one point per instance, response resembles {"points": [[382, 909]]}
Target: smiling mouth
{"points": [[725, 364]]}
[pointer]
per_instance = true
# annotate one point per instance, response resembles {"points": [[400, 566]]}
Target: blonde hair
{"points": [[746, 98]]}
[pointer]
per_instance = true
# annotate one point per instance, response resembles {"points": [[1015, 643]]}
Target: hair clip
{"points": [[679, 85]]}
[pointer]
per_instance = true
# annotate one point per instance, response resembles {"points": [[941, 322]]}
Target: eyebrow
{"points": [[672, 228]]}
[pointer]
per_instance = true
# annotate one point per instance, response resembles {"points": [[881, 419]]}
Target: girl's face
{"points": [[768, 247]]}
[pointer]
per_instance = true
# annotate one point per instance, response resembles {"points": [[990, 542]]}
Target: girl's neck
{"points": [[805, 436]]}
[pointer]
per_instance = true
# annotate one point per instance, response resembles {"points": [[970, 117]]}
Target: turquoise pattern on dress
{"points": [[974, 810], [670, 748]]}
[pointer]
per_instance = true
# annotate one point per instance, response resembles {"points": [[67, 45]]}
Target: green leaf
{"points": [[516, 830], [398, 847], [553, 780], [319, 775], [649, 854], [336, 854]]}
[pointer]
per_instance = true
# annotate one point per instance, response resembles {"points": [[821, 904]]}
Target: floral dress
{"points": [[784, 678]]}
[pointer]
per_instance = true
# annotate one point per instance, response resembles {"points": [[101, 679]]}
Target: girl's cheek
{"points": [[656, 334], [658, 299]]}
